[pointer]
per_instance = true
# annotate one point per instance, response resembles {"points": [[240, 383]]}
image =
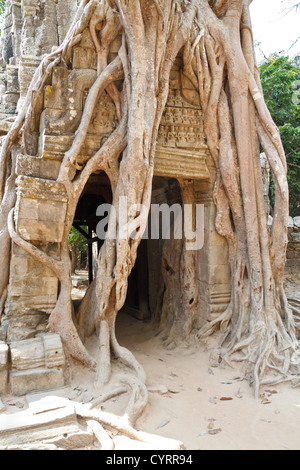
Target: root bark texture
{"points": [[214, 42]]}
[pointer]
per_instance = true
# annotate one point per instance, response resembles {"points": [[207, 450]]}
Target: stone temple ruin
{"points": [[30, 30]]}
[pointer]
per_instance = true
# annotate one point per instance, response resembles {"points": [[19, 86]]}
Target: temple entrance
{"points": [[144, 282], [96, 192], [137, 300]]}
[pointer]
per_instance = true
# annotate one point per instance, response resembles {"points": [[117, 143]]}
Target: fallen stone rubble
{"points": [[47, 424], [54, 422], [32, 365]]}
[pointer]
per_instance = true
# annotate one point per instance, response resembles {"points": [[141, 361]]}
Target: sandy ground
{"points": [[193, 411], [207, 406]]}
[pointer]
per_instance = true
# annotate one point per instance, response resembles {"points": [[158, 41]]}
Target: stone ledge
{"points": [[37, 188], [23, 382], [45, 351], [57, 427], [37, 167]]}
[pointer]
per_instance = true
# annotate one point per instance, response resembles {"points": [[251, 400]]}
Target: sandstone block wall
{"points": [[30, 30], [293, 252]]}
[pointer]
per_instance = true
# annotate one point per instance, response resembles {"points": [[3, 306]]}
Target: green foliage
{"points": [[76, 238], [2, 6], [2, 10], [291, 141], [78, 248], [280, 76]]}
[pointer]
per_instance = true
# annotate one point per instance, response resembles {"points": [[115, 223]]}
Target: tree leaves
{"points": [[279, 76]]}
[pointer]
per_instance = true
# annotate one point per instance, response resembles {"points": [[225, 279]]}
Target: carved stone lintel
{"points": [[179, 163]]}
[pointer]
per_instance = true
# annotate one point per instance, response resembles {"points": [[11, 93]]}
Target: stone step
{"points": [[56, 427]]}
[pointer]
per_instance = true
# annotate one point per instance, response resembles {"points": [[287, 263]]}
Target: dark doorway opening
{"points": [[96, 192], [137, 300], [144, 282]]}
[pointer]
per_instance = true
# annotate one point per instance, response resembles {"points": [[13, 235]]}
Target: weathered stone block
{"points": [[84, 58], [38, 167], [24, 421], [25, 326], [54, 354], [65, 12], [4, 125], [45, 351], [37, 364], [33, 431], [9, 102], [214, 300], [12, 79], [33, 286], [35, 379], [218, 254], [42, 230], [27, 68], [54, 147], [40, 209], [28, 8], [215, 274]]}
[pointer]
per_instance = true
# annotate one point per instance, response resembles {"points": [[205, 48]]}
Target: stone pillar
{"points": [[265, 167], [10, 41], [293, 251], [39, 218], [213, 268], [10, 53], [10, 98], [162, 193]]}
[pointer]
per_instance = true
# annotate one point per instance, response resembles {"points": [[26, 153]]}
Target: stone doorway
{"points": [[137, 300], [145, 281], [96, 192]]}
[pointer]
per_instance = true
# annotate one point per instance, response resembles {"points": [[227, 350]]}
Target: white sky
{"points": [[275, 30]]}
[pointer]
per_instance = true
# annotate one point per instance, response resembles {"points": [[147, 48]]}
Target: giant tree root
{"points": [[103, 423], [106, 426], [294, 304], [120, 424], [269, 354]]}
